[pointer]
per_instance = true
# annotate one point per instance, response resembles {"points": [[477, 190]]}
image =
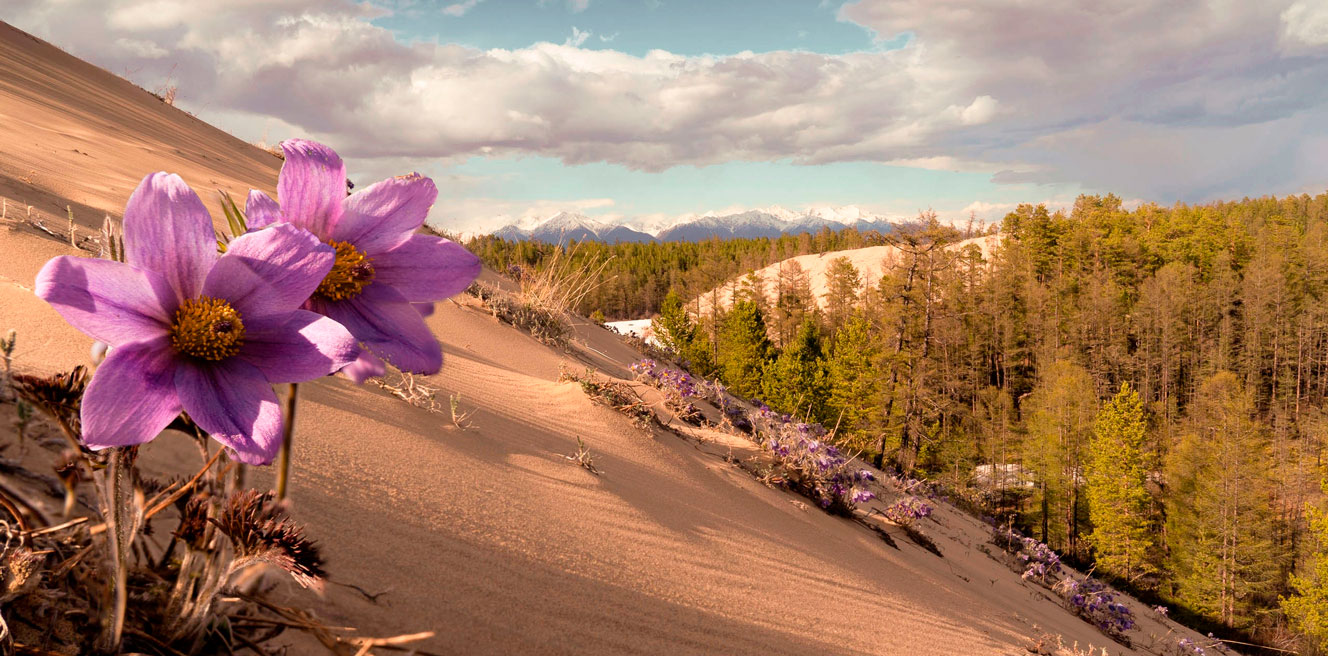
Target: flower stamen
{"points": [[352, 271], [207, 328]]}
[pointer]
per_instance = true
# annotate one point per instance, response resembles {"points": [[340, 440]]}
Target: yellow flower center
{"points": [[207, 328], [349, 275]]}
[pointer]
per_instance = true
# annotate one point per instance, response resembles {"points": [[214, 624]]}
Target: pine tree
{"points": [[678, 334], [1218, 523], [853, 381], [795, 382], [1118, 500], [744, 349]]}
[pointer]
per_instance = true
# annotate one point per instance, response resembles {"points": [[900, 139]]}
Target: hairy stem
{"points": [[288, 433]]}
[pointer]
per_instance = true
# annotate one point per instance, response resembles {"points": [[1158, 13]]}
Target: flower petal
{"points": [[365, 367], [168, 230], [426, 268], [386, 214], [389, 326], [269, 271], [311, 186], [109, 301], [296, 347], [425, 309], [131, 397], [234, 403], [260, 210]]}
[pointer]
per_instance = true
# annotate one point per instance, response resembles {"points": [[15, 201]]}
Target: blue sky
{"points": [[686, 27], [640, 111]]}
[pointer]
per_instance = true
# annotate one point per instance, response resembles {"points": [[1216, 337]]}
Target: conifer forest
{"points": [[1143, 390]]}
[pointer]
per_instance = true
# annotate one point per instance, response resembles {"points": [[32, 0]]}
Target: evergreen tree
{"points": [[853, 382], [678, 334], [1218, 523], [744, 349], [795, 381], [1118, 500]]}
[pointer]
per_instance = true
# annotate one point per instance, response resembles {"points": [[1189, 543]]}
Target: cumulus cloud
{"points": [[1164, 99]]}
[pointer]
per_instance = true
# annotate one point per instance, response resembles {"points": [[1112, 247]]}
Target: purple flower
{"points": [[194, 331], [384, 269]]}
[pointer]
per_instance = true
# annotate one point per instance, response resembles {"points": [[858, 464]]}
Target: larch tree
{"points": [[1059, 418], [843, 284], [1219, 528], [1307, 606], [1118, 501]]}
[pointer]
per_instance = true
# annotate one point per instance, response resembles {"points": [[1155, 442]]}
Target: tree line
{"points": [[637, 277], [1144, 390]]}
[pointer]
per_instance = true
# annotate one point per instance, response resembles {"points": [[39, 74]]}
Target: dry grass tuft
{"points": [[560, 283], [547, 326], [616, 395]]}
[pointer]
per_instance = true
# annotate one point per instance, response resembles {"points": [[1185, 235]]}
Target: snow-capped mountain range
{"points": [[767, 222]]}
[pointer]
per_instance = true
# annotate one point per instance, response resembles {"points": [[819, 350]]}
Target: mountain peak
{"points": [[770, 222]]}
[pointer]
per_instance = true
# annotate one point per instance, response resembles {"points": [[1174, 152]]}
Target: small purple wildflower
{"points": [[193, 331], [1095, 602], [908, 510], [1191, 647], [386, 275], [811, 466]]}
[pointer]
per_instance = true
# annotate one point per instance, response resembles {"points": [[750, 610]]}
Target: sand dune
{"points": [[488, 535], [871, 263]]}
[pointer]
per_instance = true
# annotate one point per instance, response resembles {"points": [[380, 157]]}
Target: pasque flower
{"points": [[194, 331], [386, 275]]}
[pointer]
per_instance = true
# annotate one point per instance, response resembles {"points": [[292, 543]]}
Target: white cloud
{"points": [[460, 8], [577, 6], [1305, 26], [1159, 99], [141, 48], [578, 37]]}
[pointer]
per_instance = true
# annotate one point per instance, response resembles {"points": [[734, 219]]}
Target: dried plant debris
{"points": [[260, 532], [188, 554], [583, 457], [548, 326], [59, 396], [405, 386], [616, 395]]}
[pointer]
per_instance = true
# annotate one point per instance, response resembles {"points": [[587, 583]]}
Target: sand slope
{"points": [[488, 535], [871, 263], [76, 135]]}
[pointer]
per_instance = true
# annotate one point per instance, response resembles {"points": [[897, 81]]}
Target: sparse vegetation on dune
{"points": [[543, 324]]}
